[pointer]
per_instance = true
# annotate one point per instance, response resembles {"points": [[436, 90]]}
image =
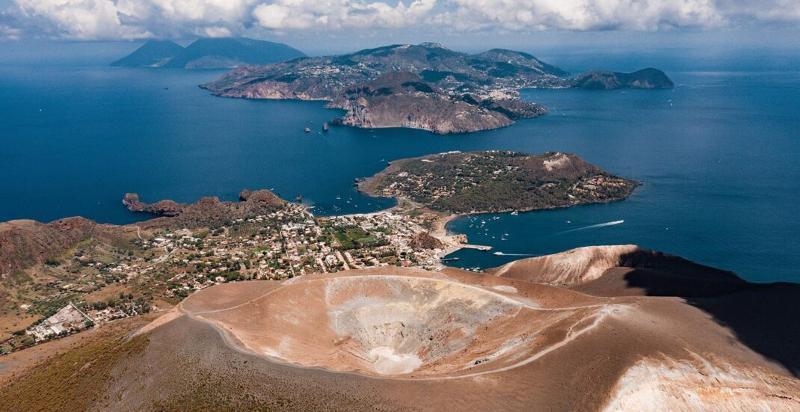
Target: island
{"points": [[649, 78], [208, 53], [497, 181], [425, 86]]}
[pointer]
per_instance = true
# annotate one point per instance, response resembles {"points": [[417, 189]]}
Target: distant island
{"points": [[649, 78], [497, 181], [425, 86], [208, 53]]}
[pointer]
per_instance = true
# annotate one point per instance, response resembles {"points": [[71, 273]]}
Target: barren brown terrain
{"points": [[596, 328], [409, 339]]}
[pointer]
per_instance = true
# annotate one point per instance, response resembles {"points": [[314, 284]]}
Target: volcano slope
{"points": [[408, 339]]}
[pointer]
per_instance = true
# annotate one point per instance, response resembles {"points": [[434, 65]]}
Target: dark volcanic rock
{"points": [[160, 208], [206, 212]]}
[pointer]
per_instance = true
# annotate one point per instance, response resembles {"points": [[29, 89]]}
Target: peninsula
{"points": [[425, 86], [497, 181]]}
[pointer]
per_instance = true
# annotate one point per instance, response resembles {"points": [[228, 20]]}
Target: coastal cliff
{"points": [[403, 99], [206, 212]]}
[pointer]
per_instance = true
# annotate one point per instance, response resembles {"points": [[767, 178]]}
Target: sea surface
{"points": [[718, 157]]}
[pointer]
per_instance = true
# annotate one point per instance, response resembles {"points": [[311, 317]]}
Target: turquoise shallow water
{"points": [[717, 156]]}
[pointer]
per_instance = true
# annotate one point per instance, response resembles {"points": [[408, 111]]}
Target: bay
{"points": [[717, 156]]}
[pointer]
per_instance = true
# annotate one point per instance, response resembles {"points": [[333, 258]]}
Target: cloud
{"points": [[338, 14], [763, 10], [9, 33], [81, 19], [201, 11], [580, 15], [127, 19]]}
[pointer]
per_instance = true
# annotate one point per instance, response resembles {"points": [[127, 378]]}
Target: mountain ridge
{"points": [[208, 53]]}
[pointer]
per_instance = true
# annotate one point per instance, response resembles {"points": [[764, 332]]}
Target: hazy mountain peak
{"points": [[153, 53], [209, 53]]}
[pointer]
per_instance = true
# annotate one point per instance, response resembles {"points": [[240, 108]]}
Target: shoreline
{"points": [[453, 242], [451, 239], [340, 121]]}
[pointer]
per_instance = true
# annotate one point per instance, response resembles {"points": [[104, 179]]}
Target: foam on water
{"points": [[597, 226]]}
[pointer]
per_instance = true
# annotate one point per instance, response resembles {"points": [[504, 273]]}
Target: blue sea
{"points": [[718, 158]]}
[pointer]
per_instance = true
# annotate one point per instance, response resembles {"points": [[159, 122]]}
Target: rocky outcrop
{"points": [[160, 208], [206, 212], [423, 240]]}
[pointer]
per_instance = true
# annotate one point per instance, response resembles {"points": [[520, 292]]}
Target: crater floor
{"points": [[398, 325]]}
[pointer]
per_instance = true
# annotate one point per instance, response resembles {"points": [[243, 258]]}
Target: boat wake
{"points": [[599, 225], [512, 254]]}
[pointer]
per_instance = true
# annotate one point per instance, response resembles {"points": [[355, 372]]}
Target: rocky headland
{"points": [[207, 212], [404, 99]]}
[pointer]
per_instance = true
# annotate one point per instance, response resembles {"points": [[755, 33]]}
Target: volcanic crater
{"points": [[389, 325]]}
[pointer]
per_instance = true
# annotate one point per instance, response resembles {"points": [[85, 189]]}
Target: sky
{"points": [[340, 25]]}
